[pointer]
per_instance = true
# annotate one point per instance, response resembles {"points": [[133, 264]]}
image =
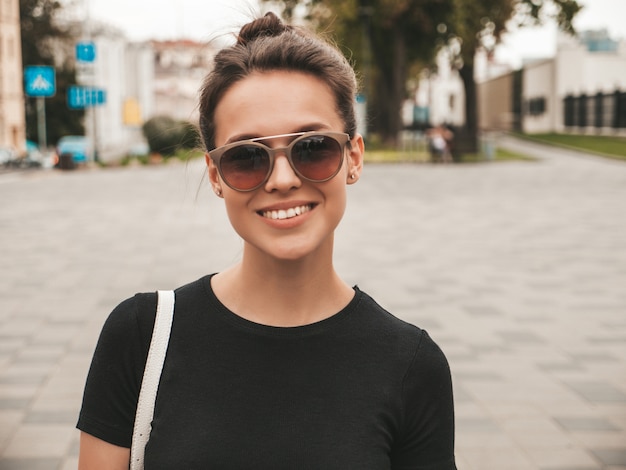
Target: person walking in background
{"points": [[276, 362], [440, 144]]}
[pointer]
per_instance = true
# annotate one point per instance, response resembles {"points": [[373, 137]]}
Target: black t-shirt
{"points": [[359, 390]]}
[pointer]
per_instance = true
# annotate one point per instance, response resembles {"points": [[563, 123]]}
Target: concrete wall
{"points": [[495, 103], [538, 83]]}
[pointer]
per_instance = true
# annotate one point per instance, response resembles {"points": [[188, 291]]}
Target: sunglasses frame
{"points": [[342, 138]]}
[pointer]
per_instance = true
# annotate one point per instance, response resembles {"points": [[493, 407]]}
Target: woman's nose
{"points": [[283, 177]]}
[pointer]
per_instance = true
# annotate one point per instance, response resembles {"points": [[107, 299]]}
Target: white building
{"points": [[180, 67], [141, 81], [582, 89], [585, 66], [442, 93], [12, 118], [125, 71]]}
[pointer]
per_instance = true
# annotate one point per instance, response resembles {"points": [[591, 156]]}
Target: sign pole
{"points": [[95, 135], [85, 58], [41, 123], [40, 83]]}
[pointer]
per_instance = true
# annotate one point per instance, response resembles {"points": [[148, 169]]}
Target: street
{"points": [[516, 269]]}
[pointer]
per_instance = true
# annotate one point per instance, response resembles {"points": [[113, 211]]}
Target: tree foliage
{"points": [[384, 38], [387, 38], [166, 136], [45, 42]]}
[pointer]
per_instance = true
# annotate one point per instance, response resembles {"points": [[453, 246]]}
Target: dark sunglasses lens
{"points": [[245, 167], [317, 157]]}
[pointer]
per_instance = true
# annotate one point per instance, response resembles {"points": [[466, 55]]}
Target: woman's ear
{"points": [[214, 176], [355, 158]]}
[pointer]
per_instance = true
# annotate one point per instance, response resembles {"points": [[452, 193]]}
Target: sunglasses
{"points": [[314, 156]]}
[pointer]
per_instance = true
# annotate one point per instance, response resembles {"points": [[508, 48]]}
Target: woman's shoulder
{"points": [[377, 316], [407, 339], [138, 312]]}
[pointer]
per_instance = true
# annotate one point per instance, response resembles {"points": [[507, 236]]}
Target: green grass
{"points": [[610, 146], [181, 154], [501, 155], [393, 156]]}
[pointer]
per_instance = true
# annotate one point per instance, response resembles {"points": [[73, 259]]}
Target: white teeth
{"points": [[286, 214]]}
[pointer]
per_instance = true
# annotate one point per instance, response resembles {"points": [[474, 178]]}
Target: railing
{"points": [[602, 110]]}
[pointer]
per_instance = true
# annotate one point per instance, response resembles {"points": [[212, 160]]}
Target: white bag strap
{"points": [[151, 377]]}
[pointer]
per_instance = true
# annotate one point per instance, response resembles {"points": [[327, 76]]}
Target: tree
{"points": [[386, 38], [478, 25], [166, 136], [45, 42], [404, 33]]}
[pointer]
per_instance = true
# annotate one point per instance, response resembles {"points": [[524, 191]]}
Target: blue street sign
{"points": [[39, 81], [79, 97], [85, 52]]}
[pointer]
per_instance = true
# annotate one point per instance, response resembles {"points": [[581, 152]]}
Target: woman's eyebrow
{"points": [[239, 138], [317, 126]]}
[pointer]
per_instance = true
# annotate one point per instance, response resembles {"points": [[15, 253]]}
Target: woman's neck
{"points": [[283, 293]]}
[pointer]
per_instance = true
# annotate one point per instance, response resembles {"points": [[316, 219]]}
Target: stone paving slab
{"points": [[518, 270]]}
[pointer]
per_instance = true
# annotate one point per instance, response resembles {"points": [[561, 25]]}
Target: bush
{"points": [[166, 136]]}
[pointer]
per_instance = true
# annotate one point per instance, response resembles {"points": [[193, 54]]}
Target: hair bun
{"points": [[268, 25]]}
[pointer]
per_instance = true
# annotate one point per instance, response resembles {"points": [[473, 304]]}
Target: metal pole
{"points": [[89, 33], [95, 133], [41, 123]]}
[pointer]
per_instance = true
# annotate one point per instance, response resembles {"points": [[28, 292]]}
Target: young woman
{"points": [[275, 363]]}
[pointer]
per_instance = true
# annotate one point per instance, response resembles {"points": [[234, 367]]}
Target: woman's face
{"points": [[275, 103]]}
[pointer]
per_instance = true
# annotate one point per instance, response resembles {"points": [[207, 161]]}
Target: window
{"points": [[569, 111], [536, 106]]}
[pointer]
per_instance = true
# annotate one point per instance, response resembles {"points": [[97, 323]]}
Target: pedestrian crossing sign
{"points": [[39, 81]]}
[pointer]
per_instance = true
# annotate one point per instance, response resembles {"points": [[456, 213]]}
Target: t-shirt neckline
{"points": [[301, 330]]}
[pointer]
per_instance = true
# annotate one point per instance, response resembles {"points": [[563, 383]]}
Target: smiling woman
{"points": [[276, 362]]}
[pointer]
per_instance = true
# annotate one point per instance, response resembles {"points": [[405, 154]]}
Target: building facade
{"points": [[582, 89], [495, 103], [179, 70], [440, 96], [12, 114], [125, 71], [142, 80]]}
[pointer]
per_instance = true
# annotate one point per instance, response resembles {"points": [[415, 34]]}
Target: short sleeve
{"points": [[114, 379], [426, 440]]}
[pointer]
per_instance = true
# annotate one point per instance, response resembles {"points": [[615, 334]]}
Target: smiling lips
{"points": [[287, 213]]}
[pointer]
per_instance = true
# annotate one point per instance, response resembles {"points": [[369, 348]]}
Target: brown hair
{"points": [[268, 44]]}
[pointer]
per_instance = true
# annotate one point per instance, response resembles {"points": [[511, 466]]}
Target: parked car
{"points": [[77, 146]]}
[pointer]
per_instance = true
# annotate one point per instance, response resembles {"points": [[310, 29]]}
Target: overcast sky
{"points": [[205, 19]]}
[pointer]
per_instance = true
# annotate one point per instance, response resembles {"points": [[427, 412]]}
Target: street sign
{"points": [[79, 97], [39, 81], [85, 52]]}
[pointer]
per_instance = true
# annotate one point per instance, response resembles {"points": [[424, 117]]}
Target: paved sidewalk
{"points": [[518, 270]]}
